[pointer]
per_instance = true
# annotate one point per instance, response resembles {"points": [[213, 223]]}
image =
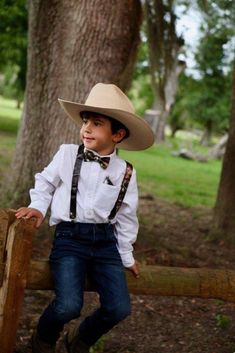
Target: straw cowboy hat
{"points": [[109, 100]]}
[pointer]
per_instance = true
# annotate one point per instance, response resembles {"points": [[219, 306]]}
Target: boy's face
{"points": [[96, 134]]}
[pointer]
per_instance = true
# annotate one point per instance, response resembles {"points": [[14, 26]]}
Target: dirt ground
{"points": [[170, 235]]}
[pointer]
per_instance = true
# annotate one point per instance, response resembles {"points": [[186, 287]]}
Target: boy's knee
{"points": [[68, 311]]}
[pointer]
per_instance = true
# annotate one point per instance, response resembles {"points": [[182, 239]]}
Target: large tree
{"points": [[223, 226], [72, 45], [224, 213]]}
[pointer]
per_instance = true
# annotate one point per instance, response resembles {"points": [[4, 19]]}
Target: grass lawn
{"points": [[182, 181], [9, 115], [186, 182]]}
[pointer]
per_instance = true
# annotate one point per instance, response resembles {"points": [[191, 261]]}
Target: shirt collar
{"points": [[113, 154]]}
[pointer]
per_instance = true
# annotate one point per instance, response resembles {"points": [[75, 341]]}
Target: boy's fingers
{"points": [[39, 221], [29, 214], [21, 211], [137, 273], [20, 214]]}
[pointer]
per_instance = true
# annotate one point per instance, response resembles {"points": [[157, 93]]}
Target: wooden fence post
{"points": [[16, 246]]}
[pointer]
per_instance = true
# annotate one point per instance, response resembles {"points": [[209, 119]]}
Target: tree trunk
{"points": [[164, 48], [206, 136], [224, 213], [72, 46]]}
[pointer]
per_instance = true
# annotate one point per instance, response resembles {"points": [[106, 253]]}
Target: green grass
{"points": [[186, 182], [9, 115], [182, 181], [7, 147]]}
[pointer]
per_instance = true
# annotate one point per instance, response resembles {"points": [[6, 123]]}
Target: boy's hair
{"points": [[115, 124]]}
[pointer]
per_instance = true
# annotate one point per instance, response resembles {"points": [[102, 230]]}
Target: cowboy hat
{"points": [[109, 100]]}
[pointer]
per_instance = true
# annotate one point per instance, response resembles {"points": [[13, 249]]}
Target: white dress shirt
{"points": [[95, 199]]}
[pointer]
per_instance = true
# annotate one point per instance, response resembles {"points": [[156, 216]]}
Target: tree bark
{"points": [[72, 46], [224, 214]]}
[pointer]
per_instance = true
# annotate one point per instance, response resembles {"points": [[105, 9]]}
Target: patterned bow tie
{"points": [[91, 157]]}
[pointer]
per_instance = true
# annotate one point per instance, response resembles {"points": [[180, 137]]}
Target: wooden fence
{"points": [[18, 272]]}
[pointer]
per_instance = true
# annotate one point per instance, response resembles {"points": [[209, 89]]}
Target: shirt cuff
{"points": [[38, 207], [127, 259]]}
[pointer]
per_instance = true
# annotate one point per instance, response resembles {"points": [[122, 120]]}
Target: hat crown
{"points": [[109, 96]]}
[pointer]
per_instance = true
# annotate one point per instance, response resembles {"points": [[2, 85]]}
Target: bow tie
{"points": [[91, 157]]}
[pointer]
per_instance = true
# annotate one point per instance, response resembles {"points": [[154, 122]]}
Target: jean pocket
{"points": [[60, 234]]}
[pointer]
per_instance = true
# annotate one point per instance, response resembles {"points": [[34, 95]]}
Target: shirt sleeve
{"points": [[45, 184], [127, 225]]}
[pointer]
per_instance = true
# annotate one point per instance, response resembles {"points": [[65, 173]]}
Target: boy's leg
{"points": [[69, 280], [110, 281]]}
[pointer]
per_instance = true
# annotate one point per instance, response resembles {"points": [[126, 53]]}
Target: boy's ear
{"points": [[119, 135]]}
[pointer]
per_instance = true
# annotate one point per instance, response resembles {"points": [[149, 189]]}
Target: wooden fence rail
{"points": [[18, 272]]}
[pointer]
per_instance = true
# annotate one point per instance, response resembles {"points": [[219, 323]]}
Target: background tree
{"points": [[213, 59], [141, 91], [165, 67], [202, 101], [71, 46], [224, 213], [182, 115]]}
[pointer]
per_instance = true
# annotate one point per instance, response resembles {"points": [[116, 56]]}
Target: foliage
{"points": [[200, 106], [13, 46], [212, 101], [99, 345], [141, 93], [223, 321], [205, 102], [181, 115]]}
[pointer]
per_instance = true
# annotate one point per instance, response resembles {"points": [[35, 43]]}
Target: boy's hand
{"points": [[28, 213], [135, 269]]}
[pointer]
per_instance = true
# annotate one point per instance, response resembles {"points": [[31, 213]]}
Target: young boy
{"points": [[93, 197]]}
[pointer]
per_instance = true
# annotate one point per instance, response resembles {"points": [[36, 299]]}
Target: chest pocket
{"points": [[106, 198]]}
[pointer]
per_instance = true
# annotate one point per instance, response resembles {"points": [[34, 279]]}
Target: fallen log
{"points": [[186, 154], [158, 280]]}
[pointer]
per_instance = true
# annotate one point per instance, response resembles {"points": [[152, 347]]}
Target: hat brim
{"points": [[141, 134]]}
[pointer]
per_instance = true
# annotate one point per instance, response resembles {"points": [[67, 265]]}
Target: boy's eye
{"points": [[84, 120], [97, 123]]}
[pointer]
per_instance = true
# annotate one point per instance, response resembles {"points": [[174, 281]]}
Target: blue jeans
{"points": [[81, 249]]}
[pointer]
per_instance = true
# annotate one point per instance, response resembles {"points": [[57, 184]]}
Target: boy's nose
{"points": [[88, 127]]}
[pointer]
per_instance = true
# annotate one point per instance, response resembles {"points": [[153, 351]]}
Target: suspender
{"points": [[122, 193], [74, 188]]}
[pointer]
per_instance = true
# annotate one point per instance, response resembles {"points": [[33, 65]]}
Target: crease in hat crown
{"points": [[109, 96]]}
